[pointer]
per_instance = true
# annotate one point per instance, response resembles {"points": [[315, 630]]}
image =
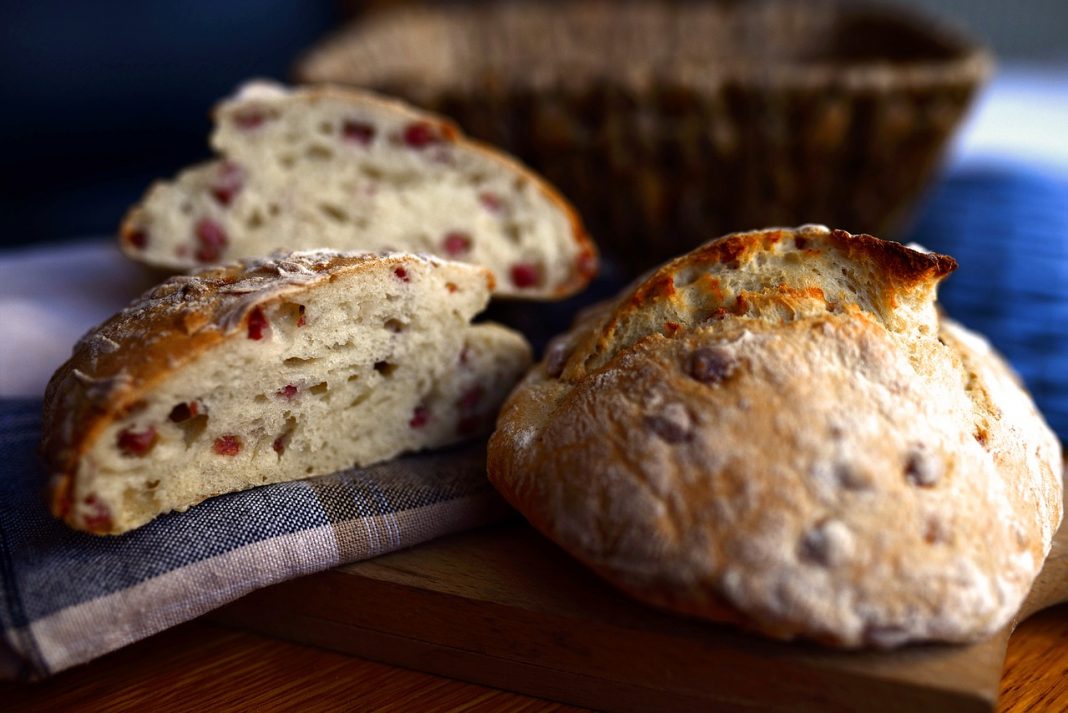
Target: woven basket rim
{"points": [[968, 63]]}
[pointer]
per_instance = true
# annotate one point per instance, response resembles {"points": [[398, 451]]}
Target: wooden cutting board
{"points": [[504, 607]]}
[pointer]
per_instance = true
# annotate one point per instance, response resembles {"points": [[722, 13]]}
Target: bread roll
{"points": [[780, 430]]}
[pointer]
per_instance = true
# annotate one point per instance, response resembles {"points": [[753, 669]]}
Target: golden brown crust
{"points": [[708, 284], [824, 458], [166, 328]]}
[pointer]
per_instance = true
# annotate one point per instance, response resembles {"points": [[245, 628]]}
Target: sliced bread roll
{"points": [[271, 370], [350, 170], [780, 430]]}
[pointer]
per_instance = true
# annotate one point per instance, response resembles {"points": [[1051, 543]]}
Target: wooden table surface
{"points": [[203, 666]]}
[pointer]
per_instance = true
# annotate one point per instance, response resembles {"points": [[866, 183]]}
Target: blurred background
{"points": [[101, 98]]}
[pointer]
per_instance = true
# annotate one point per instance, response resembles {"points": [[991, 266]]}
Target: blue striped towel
{"points": [[67, 597]]}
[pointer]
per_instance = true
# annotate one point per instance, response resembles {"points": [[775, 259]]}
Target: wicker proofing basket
{"points": [[670, 123]]}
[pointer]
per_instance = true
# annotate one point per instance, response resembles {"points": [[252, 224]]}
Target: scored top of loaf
{"points": [[779, 429], [771, 275]]}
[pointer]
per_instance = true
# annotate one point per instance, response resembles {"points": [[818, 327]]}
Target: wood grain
{"points": [[1035, 677], [204, 666], [200, 666], [505, 608]]}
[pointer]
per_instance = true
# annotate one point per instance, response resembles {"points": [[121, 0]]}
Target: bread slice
{"points": [[780, 430], [350, 170], [271, 370]]}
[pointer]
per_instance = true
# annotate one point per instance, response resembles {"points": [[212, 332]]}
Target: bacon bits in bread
{"points": [[780, 430], [271, 370], [330, 168]]}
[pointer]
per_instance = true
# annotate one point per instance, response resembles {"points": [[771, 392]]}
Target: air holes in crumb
{"points": [[260, 398], [334, 213], [281, 442], [184, 411], [193, 428], [255, 221], [385, 368], [321, 388], [273, 209], [359, 399], [687, 276], [287, 161], [352, 378], [395, 325], [319, 153], [292, 313], [325, 127], [297, 361], [152, 484]]}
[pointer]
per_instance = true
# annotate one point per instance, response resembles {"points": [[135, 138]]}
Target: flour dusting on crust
{"points": [[780, 430]]}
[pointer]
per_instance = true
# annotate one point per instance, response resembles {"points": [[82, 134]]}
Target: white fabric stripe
{"points": [[91, 629], [85, 631], [361, 539]]}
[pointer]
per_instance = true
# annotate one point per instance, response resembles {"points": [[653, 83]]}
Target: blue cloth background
{"points": [[1007, 226]]}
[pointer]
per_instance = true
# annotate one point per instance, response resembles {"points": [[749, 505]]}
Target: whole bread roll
{"points": [[780, 430]]}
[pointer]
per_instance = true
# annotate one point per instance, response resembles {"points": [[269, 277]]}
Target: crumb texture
{"points": [[270, 370], [349, 170], [780, 430]]}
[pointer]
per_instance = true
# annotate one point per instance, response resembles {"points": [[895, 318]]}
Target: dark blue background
{"points": [[100, 97], [1007, 226]]}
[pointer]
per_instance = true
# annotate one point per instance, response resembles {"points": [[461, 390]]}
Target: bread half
{"points": [[271, 370], [780, 430], [350, 170]]}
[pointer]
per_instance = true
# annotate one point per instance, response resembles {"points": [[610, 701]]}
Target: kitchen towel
{"points": [[68, 597]]}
